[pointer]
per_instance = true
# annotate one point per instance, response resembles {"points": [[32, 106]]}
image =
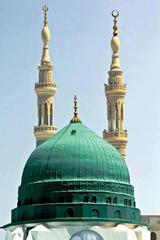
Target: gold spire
{"points": [[75, 118], [45, 38], [115, 43]]}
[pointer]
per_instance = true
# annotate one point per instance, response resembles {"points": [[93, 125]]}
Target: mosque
{"points": [[75, 184]]}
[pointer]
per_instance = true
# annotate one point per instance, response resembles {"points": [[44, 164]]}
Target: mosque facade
{"points": [[76, 185]]}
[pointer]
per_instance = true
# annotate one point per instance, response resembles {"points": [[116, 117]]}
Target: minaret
{"points": [[115, 92], [45, 90]]}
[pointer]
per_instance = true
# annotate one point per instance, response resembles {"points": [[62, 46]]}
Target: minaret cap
{"points": [[115, 43], [45, 30], [45, 38], [75, 118]]}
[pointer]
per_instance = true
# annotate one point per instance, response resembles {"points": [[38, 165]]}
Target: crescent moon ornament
{"points": [[45, 8], [115, 13]]}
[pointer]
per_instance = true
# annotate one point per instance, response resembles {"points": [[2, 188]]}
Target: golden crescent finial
{"points": [[115, 14], [75, 106], [75, 118], [45, 9]]}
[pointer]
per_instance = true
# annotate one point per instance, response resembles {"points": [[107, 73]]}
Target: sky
{"points": [[81, 32]]}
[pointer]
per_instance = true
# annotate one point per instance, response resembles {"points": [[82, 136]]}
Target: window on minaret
{"points": [[116, 115], [122, 111], [45, 114], [109, 109], [51, 114], [39, 115]]}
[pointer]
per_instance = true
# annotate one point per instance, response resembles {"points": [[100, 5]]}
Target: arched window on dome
{"points": [[134, 204], [95, 213], [85, 199], [70, 198], [24, 215], [44, 213], [117, 214], [69, 212], [61, 199], [133, 216], [109, 200], [125, 202], [44, 199], [153, 236], [129, 202], [45, 114], [30, 202], [93, 200], [115, 200]]}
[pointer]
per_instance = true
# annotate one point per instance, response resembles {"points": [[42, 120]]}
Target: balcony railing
{"points": [[44, 128], [115, 87], [39, 85], [116, 133]]}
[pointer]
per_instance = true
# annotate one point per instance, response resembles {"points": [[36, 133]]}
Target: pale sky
{"points": [[80, 50]]}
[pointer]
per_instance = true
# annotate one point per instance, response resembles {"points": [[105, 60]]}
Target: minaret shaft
{"points": [[45, 90], [115, 92]]}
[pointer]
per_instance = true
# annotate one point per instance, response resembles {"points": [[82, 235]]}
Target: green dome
{"points": [[75, 176], [75, 153]]}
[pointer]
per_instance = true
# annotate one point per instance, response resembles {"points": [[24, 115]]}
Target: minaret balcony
{"points": [[48, 88], [116, 133], [45, 128], [115, 88], [44, 132]]}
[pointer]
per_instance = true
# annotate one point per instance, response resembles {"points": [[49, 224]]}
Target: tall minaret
{"points": [[45, 90], [115, 92]]}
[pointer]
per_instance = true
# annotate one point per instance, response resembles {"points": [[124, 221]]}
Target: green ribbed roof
{"points": [[75, 153], [75, 176]]}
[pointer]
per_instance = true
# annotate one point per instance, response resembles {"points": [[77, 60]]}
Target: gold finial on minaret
{"points": [[45, 38], [45, 9], [75, 106], [115, 14], [75, 118], [115, 43]]}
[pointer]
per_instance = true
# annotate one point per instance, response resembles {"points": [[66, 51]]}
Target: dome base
{"points": [[76, 212], [66, 231]]}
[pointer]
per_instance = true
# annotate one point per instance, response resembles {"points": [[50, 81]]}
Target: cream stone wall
{"points": [[64, 231]]}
